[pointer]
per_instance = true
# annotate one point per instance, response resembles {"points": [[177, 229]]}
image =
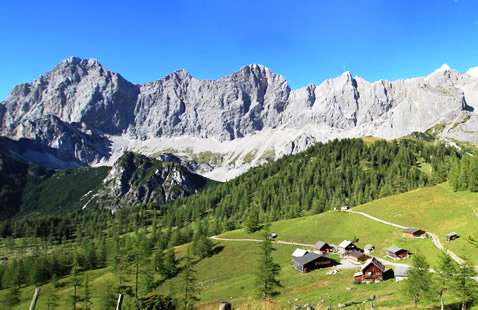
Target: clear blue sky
{"points": [[306, 41]]}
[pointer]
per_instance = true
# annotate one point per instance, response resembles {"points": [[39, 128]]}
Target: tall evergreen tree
{"points": [[445, 272], [267, 270], [189, 283], [464, 287], [419, 282]]}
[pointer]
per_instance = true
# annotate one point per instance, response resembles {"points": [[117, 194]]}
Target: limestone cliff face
{"points": [[83, 113], [135, 178]]}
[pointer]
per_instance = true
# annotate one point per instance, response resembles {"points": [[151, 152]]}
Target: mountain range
{"points": [[80, 114]]}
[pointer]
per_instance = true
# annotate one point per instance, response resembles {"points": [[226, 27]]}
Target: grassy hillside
{"points": [[437, 209], [230, 273]]}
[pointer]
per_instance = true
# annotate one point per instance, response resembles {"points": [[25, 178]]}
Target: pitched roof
{"points": [[345, 244], [452, 234], [411, 230], [401, 270], [358, 274], [299, 252], [356, 254], [374, 261], [307, 258], [320, 244], [394, 249]]}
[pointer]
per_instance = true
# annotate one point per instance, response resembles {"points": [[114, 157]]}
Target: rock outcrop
{"points": [[135, 178], [82, 114]]}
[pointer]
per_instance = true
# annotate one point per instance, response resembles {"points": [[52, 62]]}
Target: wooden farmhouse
{"points": [[451, 236], [413, 233], [322, 247], [357, 256], [397, 253], [371, 272], [311, 261], [401, 272]]}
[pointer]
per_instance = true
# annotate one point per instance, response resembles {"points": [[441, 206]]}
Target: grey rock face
{"points": [[81, 110], [135, 178]]}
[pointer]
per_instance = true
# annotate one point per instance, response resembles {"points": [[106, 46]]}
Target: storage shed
{"points": [[451, 236], [397, 253], [322, 247], [401, 272], [311, 261], [357, 256], [413, 233]]}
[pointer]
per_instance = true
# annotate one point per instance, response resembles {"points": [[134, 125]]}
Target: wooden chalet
{"points": [[311, 261], [371, 272], [451, 236], [322, 247], [397, 253], [413, 233], [357, 256], [401, 273]]}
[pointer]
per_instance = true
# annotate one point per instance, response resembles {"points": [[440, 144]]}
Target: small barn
{"points": [[371, 272], [413, 233], [322, 247], [401, 272], [273, 235], [299, 253], [451, 236], [368, 248], [311, 261], [357, 256], [347, 245], [397, 253], [344, 208]]}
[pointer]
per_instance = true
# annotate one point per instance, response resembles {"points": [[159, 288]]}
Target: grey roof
{"points": [[411, 230], [374, 261], [345, 244], [320, 244], [452, 234], [356, 253], [357, 274], [307, 258], [394, 249], [401, 270]]}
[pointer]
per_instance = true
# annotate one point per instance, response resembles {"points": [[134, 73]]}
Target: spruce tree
{"points": [[189, 283], [445, 272], [419, 282], [267, 270]]}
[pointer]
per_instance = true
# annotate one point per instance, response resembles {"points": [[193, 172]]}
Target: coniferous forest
{"points": [[326, 176]]}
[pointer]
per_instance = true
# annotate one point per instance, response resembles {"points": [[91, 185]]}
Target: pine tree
{"points": [[189, 283], [445, 272], [12, 298], [464, 287], [267, 270], [252, 222], [419, 280], [87, 293], [170, 267]]}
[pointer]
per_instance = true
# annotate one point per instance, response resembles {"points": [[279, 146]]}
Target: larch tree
{"points": [[267, 270]]}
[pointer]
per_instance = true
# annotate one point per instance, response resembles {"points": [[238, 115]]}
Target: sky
{"points": [[305, 41]]}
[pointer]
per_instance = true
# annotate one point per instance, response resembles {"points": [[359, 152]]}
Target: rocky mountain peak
{"points": [[473, 72]]}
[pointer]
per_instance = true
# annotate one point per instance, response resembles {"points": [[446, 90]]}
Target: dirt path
{"points": [[257, 240], [436, 240]]}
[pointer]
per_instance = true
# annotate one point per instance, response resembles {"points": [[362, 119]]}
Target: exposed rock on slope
{"points": [[83, 114], [135, 178]]}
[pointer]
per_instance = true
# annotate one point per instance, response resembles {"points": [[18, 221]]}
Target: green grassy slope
{"points": [[437, 209], [230, 273]]}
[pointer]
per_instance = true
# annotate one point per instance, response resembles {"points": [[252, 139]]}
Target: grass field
{"points": [[230, 273]]}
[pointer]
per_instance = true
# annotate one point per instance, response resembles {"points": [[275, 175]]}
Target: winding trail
{"points": [[436, 240]]}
